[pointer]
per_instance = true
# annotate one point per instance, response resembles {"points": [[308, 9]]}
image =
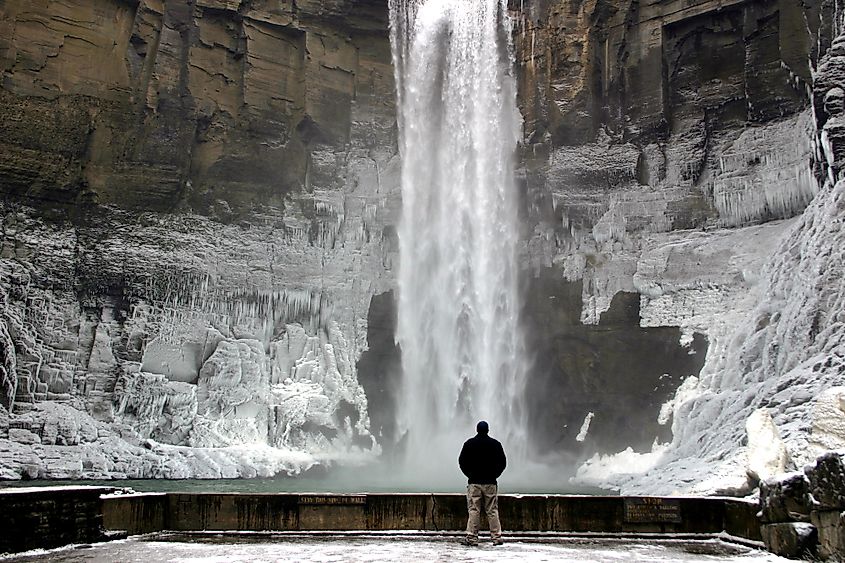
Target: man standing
{"points": [[482, 460]]}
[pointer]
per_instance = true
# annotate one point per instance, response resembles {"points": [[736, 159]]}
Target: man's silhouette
{"points": [[482, 460]]}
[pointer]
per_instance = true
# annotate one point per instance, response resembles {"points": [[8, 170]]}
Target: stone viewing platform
{"points": [[151, 512], [55, 516]]}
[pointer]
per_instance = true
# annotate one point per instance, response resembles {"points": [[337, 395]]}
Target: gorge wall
{"points": [[199, 230], [199, 200], [668, 147]]}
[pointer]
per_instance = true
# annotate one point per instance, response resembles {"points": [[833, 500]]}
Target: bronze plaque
{"points": [[652, 510], [332, 499]]}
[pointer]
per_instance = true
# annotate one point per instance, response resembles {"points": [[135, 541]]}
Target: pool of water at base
{"points": [[321, 480]]}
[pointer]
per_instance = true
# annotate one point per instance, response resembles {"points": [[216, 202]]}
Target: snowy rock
{"points": [[790, 539], [234, 380], [23, 436], [784, 350], [785, 499], [63, 425], [767, 455], [828, 416], [834, 101], [232, 396], [157, 408], [827, 482]]}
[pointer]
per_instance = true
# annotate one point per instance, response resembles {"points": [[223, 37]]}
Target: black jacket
{"points": [[482, 460]]}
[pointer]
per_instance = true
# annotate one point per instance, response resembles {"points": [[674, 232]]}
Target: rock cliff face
{"points": [[199, 200], [200, 207], [668, 146]]}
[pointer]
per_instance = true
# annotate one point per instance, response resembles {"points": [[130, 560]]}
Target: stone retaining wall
{"points": [[51, 517], [803, 513], [46, 517], [440, 512]]}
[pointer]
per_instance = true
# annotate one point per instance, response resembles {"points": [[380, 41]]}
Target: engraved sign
{"points": [[332, 499], [652, 510]]}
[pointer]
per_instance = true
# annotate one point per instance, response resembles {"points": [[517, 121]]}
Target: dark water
{"points": [[361, 480], [281, 485]]}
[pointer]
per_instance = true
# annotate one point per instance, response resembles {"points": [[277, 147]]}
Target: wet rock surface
{"points": [[618, 371], [827, 482]]}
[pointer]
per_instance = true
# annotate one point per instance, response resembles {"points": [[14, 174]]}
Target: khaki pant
{"points": [[486, 495]]}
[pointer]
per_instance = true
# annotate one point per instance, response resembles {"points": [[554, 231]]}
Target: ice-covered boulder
{"points": [[63, 425], [767, 455], [301, 416], [232, 396]]}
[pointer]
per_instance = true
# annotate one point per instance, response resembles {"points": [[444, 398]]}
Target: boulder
{"points": [[790, 539], [785, 500], [827, 482], [767, 455]]}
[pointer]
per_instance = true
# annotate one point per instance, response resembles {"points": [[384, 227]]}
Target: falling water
{"points": [[458, 305]]}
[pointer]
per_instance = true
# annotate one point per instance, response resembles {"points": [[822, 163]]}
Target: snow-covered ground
{"points": [[396, 549]]}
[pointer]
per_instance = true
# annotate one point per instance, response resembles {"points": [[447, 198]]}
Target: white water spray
{"points": [[458, 304]]}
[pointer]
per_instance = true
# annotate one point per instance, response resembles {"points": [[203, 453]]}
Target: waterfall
{"points": [[458, 325]]}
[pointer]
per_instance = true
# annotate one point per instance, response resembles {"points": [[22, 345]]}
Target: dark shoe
{"points": [[498, 541], [469, 542]]}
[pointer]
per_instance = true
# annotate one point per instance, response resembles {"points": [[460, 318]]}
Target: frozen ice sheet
{"points": [[399, 548]]}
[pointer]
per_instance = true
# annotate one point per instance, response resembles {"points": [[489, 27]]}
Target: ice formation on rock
{"points": [[828, 430], [756, 181], [585, 427], [767, 456], [458, 302], [779, 354], [204, 373]]}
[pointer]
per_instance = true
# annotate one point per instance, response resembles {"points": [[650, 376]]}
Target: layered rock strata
{"points": [[699, 144], [199, 200]]}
